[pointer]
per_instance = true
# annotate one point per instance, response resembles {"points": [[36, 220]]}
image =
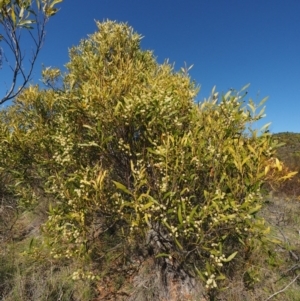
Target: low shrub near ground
{"points": [[118, 147], [289, 153]]}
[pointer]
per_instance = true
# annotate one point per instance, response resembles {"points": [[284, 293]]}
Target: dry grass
{"points": [[273, 268], [269, 272]]}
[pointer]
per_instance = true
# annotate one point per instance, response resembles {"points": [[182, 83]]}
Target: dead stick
{"points": [[282, 290]]}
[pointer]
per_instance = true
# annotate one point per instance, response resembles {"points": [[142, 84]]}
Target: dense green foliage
{"points": [[118, 145]]}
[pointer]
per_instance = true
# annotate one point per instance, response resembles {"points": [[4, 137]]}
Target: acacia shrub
{"points": [[122, 146]]}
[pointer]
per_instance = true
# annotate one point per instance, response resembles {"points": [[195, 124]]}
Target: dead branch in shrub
{"points": [[282, 290]]}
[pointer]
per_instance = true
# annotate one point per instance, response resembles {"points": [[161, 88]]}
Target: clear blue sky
{"points": [[230, 42]]}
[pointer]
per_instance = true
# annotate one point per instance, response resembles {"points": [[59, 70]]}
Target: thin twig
{"points": [[292, 269], [290, 251], [282, 290], [12, 39]]}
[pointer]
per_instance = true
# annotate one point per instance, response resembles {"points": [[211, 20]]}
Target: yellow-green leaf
{"points": [[122, 187], [146, 206], [162, 255], [178, 243], [55, 2], [179, 215], [255, 209], [245, 87], [13, 15], [229, 258]]}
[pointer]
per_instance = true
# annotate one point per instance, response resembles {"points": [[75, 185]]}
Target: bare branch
{"points": [[282, 290], [14, 22]]}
